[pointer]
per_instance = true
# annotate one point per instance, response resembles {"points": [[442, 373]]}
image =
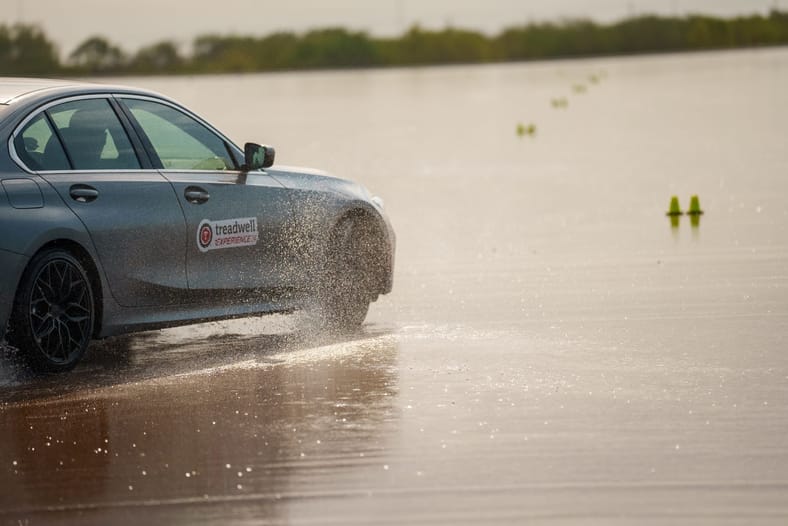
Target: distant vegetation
{"points": [[25, 50]]}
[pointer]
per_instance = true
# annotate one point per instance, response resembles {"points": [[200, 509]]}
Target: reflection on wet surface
{"points": [[144, 423]]}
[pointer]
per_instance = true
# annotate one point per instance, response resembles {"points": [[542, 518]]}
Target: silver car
{"points": [[121, 210]]}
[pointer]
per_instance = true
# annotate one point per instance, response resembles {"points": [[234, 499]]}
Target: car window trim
{"points": [[143, 156], [227, 142], [56, 133], [45, 109]]}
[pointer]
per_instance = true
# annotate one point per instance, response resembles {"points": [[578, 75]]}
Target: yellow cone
{"points": [[694, 209], [675, 209]]}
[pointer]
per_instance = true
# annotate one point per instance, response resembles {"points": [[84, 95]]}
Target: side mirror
{"points": [[257, 156]]}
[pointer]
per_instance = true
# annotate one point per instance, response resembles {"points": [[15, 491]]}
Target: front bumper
{"points": [[389, 282]]}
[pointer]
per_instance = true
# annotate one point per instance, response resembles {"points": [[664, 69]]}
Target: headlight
{"points": [[377, 201]]}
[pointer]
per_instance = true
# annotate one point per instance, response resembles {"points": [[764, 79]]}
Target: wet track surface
{"points": [[553, 352]]}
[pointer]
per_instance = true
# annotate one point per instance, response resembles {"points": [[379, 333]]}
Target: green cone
{"points": [[694, 209], [675, 209], [525, 130]]}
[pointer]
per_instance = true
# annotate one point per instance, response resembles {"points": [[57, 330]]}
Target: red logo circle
{"points": [[206, 235]]}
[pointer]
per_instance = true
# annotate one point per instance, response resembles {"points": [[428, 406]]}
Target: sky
{"points": [[133, 24]]}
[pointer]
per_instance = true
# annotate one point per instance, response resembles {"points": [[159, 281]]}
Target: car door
{"points": [[236, 222], [82, 149]]}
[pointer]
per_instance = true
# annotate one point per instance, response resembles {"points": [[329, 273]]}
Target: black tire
{"points": [[54, 312], [344, 295]]}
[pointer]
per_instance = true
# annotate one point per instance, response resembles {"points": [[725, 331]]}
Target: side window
{"points": [[93, 136], [39, 148], [181, 142]]}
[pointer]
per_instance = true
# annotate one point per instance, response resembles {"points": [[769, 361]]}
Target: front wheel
{"points": [[54, 312], [344, 294]]}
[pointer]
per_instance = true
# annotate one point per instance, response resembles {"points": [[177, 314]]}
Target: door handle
{"points": [[83, 193], [196, 195]]}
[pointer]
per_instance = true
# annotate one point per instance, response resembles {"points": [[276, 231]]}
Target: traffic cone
{"points": [[694, 209], [675, 209], [522, 130]]}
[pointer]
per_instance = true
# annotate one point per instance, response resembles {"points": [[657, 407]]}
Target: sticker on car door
{"points": [[227, 233]]}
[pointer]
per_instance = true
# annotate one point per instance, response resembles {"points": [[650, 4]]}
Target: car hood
{"points": [[300, 178]]}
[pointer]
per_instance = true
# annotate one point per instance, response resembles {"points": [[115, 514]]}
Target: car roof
{"points": [[15, 88]]}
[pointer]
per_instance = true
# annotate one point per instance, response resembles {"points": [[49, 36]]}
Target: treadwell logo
{"points": [[227, 233]]}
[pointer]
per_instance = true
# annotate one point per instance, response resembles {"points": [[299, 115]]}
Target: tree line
{"points": [[26, 50]]}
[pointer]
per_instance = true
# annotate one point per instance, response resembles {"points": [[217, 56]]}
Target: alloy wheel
{"points": [[61, 311]]}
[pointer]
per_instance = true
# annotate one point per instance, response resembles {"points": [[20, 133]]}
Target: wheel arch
{"points": [[375, 241]]}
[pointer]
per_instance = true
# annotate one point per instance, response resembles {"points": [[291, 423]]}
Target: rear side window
{"points": [[39, 148], [93, 136]]}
